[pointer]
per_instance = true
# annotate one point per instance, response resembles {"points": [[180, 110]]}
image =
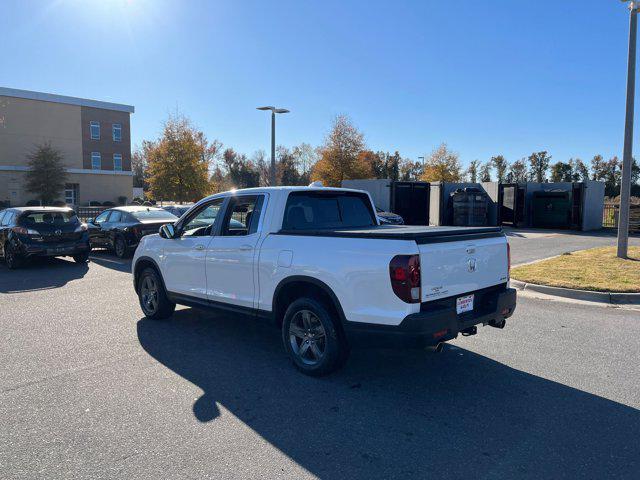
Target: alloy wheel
{"points": [[120, 247], [307, 337], [149, 294]]}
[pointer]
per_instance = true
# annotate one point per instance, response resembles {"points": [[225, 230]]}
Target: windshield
{"points": [[153, 215], [49, 218], [320, 210]]}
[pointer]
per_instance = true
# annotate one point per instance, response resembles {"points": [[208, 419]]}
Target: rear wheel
{"points": [[120, 247], [153, 299], [81, 257], [311, 338], [12, 258]]}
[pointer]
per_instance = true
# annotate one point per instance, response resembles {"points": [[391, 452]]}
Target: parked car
{"points": [[28, 232], [388, 218], [120, 229], [177, 210], [317, 262]]}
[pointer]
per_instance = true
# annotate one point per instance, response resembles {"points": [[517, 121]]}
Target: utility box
{"points": [[580, 204]]}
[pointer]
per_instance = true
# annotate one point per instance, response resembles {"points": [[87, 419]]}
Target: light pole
{"points": [[274, 110], [625, 182]]}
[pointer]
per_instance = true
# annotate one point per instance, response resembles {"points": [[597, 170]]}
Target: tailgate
{"points": [[454, 268]]}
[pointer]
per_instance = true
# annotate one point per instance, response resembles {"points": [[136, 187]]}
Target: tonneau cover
{"points": [[420, 234]]}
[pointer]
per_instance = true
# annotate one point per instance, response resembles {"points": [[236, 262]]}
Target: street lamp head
{"points": [[634, 5], [266, 108], [281, 110]]}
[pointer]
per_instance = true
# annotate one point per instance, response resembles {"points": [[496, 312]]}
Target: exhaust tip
{"points": [[437, 348]]}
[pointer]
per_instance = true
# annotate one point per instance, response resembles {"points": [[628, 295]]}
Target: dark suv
{"points": [[28, 232]]}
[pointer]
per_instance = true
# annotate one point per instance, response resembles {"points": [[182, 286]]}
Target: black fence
{"points": [[612, 213], [84, 213]]}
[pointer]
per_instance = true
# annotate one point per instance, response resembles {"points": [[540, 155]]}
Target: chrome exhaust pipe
{"points": [[437, 348]]}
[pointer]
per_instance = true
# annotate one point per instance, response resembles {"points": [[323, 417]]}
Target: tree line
{"points": [[184, 165]]}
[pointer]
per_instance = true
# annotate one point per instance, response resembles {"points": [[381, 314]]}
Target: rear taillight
{"points": [[25, 231], [509, 259], [404, 272]]}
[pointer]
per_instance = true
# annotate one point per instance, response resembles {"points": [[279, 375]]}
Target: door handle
{"points": [[246, 247], [199, 247]]}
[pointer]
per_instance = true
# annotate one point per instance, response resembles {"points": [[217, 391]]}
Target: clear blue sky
{"points": [[487, 77]]}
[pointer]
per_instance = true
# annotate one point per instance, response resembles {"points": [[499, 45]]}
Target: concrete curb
{"points": [[586, 295]]}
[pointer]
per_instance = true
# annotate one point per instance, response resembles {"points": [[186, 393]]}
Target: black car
{"points": [[388, 218], [28, 232], [177, 210], [120, 229]]}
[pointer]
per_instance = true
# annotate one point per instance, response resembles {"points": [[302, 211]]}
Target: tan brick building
{"points": [[93, 137]]}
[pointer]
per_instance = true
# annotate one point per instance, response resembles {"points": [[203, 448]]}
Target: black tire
{"points": [[120, 247], [303, 346], [12, 258], [81, 257], [158, 307]]}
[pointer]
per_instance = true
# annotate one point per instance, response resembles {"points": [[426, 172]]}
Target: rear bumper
{"points": [[54, 249], [426, 328]]}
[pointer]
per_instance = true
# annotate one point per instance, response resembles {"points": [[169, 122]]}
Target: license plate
{"points": [[464, 304], [58, 250]]}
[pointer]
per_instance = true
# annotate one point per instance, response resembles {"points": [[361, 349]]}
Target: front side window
{"points": [[117, 162], [202, 221], [243, 215], [116, 131], [96, 161], [326, 210], [95, 130]]}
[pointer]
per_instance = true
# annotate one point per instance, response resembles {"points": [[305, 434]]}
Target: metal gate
{"points": [[511, 202], [410, 200]]}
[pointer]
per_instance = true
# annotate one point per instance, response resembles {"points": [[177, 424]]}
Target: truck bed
{"points": [[419, 234]]}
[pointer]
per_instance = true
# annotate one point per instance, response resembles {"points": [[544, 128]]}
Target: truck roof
{"points": [[283, 189]]}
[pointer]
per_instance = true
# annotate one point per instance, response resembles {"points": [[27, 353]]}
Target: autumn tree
{"points": [[46, 175], [517, 171], [501, 165], [539, 164], [240, 172], [340, 155], [580, 170], [473, 171], [561, 172], [140, 167], [485, 172], [178, 162], [411, 171], [442, 165]]}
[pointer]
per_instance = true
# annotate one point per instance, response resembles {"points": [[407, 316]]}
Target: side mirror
{"points": [[167, 231]]}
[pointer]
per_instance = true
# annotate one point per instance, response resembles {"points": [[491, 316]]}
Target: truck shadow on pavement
{"points": [[396, 414], [40, 274]]}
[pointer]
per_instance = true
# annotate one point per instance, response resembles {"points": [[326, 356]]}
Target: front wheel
{"points": [[153, 299], [81, 257], [311, 338]]}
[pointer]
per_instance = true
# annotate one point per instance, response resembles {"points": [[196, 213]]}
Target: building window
{"points": [[96, 161], [116, 129], [117, 162], [95, 130]]}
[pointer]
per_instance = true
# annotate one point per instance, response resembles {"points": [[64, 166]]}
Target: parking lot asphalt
{"points": [[531, 245], [91, 389]]}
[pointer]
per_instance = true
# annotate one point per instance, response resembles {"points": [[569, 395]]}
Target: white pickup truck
{"points": [[316, 261]]}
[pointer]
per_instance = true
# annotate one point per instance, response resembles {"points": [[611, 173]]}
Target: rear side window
{"points": [[320, 210], [48, 218], [115, 216]]}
